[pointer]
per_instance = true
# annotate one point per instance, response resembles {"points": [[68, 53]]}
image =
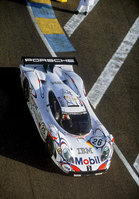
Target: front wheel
{"points": [[49, 146]]}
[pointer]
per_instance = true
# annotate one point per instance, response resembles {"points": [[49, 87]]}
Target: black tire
{"points": [[49, 146], [26, 90]]}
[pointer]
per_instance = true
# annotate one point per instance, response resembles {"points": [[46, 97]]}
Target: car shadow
{"points": [[19, 137], [64, 10], [19, 1]]}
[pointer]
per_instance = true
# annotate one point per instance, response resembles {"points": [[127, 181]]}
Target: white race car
{"points": [[76, 140]]}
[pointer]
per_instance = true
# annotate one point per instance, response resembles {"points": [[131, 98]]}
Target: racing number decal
{"points": [[97, 142], [43, 130]]}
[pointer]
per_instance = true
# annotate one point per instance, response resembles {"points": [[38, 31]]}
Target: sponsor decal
{"points": [[85, 150], [33, 105], [32, 91], [42, 127], [49, 60], [43, 130], [87, 161], [56, 82], [36, 113], [70, 99]]}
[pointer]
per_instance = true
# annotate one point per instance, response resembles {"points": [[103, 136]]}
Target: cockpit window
{"points": [[79, 124], [55, 107], [74, 123]]}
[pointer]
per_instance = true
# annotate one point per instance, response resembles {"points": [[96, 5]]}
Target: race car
{"points": [[76, 140]]}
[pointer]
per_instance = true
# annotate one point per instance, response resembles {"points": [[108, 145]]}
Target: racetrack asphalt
{"points": [[25, 170]]}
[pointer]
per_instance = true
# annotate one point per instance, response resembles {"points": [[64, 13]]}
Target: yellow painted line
{"points": [[41, 1], [49, 26], [62, 1]]}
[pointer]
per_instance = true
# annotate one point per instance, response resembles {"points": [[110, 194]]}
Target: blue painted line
{"points": [[59, 43], [42, 10]]}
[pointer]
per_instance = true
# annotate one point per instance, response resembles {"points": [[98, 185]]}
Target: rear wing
{"points": [[49, 61]]}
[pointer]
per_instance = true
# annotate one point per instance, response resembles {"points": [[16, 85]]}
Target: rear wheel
{"points": [[26, 90]]}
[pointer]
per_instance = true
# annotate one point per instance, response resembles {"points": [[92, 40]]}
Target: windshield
{"points": [[72, 122], [76, 124]]}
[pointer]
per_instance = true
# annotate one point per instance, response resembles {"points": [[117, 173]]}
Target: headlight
{"points": [[67, 155], [105, 153]]}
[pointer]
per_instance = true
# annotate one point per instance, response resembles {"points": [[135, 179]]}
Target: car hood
{"points": [[86, 156]]}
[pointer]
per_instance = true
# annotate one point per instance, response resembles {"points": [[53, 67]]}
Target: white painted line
{"points": [[106, 77], [123, 159], [136, 164], [40, 33], [127, 165], [76, 20], [104, 80]]}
